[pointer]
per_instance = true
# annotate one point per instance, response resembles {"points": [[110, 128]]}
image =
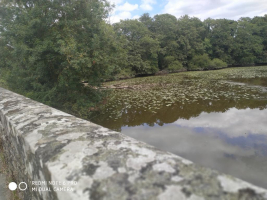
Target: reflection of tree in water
{"points": [[136, 117]]}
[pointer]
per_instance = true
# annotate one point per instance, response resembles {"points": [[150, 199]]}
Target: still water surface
{"points": [[223, 125], [233, 142]]}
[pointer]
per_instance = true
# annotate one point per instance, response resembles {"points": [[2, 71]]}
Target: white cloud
{"points": [[146, 7], [148, 1], [120, 16], [147, 4], [127, 7], [122, 11], [114, 19], [116, 2], [231, 9], [136, 17], [125, 15]]}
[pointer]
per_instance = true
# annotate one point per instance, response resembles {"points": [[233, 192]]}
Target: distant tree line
{"points": [[187, 43], [50, 48]]}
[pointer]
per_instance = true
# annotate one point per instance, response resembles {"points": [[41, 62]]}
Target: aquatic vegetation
{"points": [[164, 99]]}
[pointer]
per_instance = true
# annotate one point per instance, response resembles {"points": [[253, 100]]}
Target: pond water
{"points": [[217, 119]]}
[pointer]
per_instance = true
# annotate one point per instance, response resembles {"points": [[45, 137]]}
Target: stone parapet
{"points": [[52, 150]]}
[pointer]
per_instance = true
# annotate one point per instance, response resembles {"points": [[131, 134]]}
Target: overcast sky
{"points": [[230, 9]]}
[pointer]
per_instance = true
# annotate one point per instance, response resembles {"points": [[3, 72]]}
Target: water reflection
{"points": [[213, 122], [233, 142], [165, 115]]}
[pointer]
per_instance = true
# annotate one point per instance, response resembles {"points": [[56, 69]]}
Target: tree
{"points": [[5, 53], [164, 28], [190, 38], [247, 44], [221, 34], [55, 46], [142, 48], [260, 30], [146, 20]]}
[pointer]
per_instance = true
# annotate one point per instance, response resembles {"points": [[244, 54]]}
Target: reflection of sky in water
{"points": [[234, 142], [235, 122], [258, 142]]}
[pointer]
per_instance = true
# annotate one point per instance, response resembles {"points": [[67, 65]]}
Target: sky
{"points": [[229, 9]]}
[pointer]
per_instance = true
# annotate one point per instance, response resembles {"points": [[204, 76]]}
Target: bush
{"points": [[200, 62], [175, 66], [169, 59], [148, 67], [153, 69], [217, 64], [124, 73], [3, 77]]}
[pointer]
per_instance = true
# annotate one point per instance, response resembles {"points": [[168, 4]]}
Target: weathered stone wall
{"points": [[44, 144]]}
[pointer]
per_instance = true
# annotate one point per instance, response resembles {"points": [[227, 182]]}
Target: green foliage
{"points": [[55, 45], [190, 37], [4, 72], [146, 20], [175, 66], [164, 29], [169, 59], [141, 46], [260, 30], [5, 53], [200, 62], [221, 35], [124, 74], [248, 45], [207, 46], [216, 63], [237, 42]]}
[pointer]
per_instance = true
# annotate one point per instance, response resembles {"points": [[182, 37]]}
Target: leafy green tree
{"points": [[260, 30], [190, 36], [55, 46], [207, 46], [5, 61], [5, 53], [147, 21], [164, 29], [141, 47], [247, 44], [169, 59], [221, 34]]}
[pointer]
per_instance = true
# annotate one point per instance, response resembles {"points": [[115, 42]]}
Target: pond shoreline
{"points": [[166, 72]]}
